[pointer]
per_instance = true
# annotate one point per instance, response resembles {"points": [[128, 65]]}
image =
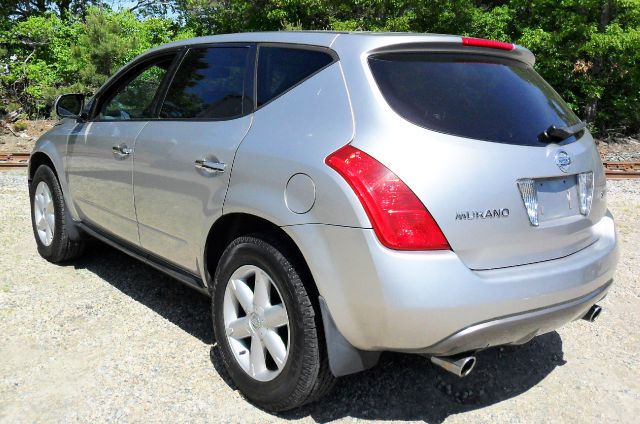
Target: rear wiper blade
{"points": [[560, 133]]}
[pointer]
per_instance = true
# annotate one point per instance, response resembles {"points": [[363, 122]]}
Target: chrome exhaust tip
{"points": [[460, 366], [592, 313]]}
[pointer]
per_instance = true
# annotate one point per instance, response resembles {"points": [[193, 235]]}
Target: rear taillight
{"points": [[491, 44], [398, 217]]}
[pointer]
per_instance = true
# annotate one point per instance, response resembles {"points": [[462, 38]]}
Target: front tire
{"points": [[48, 218], [268, 331]]}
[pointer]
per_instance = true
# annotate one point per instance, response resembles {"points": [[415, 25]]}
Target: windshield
{"points": [[478, 97]]}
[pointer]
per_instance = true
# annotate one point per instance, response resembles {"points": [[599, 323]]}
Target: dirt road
{"points": [[108, 339]]}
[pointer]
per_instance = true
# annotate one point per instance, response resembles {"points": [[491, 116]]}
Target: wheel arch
{"points": [[231, 226], [343, 358], [38, 159], [51, 152]]}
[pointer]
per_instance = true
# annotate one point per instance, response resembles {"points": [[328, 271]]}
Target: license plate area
{"points": [[557, 197], [546, 199]]}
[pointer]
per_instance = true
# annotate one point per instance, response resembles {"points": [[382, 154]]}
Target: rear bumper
{"points": [[515, 329], [430, 302]]}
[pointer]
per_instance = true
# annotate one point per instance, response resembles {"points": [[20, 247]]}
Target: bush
{"points": [[20, 126], [9, 107], [48, 56], [587, 49]]}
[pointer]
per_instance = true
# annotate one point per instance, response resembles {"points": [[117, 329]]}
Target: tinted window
{"points": [[279, 69], [476, 97], [208, 84], [134, 98]]}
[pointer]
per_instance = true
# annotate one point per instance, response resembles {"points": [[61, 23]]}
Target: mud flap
{"points": [[344, 359]]}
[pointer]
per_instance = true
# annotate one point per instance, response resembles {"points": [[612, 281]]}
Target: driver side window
{"points": [[134, 97]]}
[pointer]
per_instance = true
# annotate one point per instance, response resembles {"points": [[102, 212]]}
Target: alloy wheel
{"points": [[44, 213], [256, 323]]}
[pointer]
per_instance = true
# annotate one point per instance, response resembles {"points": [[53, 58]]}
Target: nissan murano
{"points": [[337, 195]]}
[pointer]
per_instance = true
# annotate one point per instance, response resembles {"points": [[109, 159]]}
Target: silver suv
{"points": [[337, 195]]}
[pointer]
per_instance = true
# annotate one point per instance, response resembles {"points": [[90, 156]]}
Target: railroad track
{"points": [[613, 170], [622, 170], [13, 160]]}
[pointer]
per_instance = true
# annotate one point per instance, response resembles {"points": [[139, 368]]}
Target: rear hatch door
{"points": [[467, 136]]}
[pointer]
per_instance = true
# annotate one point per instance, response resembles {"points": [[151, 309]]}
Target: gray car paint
{"points": [[382, 299], [291, 135], [175, 203], [100, 184]]}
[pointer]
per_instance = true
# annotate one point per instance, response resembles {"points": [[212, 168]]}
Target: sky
{"points": [[127, 4]]}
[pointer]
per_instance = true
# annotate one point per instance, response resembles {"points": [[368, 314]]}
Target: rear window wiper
{"points": [[560, 133]]}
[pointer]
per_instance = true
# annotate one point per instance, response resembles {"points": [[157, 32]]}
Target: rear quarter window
{"points": [[281, 68], [477, 97]]}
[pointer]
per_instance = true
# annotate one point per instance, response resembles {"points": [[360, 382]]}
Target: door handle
{"points": [[121, 151], [210, 166]]}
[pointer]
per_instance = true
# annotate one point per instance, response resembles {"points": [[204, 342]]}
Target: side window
{"points": [[134, 98], [280, 68], [208, 84]]}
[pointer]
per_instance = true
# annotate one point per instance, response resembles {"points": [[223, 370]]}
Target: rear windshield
{"points": [[498, 100]]}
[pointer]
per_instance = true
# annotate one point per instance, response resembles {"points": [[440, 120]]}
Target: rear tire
{"points": [[48, 212], [304, 376]]}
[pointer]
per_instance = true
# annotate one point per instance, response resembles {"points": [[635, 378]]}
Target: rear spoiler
{"points": [[478, 46]]}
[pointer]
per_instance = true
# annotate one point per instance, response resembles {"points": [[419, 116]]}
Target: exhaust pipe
{"points": [[460, 366], [593, 313]]}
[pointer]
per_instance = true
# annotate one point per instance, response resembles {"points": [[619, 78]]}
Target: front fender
{"points": [[53, 145]]}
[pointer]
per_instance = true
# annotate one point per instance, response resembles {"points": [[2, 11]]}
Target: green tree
{"points": [[46, 56], [587, 49], [38, 59], [22, 9]]}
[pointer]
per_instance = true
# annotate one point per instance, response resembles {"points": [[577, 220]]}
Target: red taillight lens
{"points": [[480, 42], [398, 217]]}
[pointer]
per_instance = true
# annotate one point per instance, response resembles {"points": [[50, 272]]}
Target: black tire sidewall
{"points": [[46, 175], [252, 251]]}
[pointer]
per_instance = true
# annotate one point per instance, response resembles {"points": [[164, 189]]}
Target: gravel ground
{"points": [[108, 339], [624, 150]]}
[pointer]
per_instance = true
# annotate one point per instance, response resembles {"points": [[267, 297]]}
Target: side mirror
{"points": [[69, 105]]}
